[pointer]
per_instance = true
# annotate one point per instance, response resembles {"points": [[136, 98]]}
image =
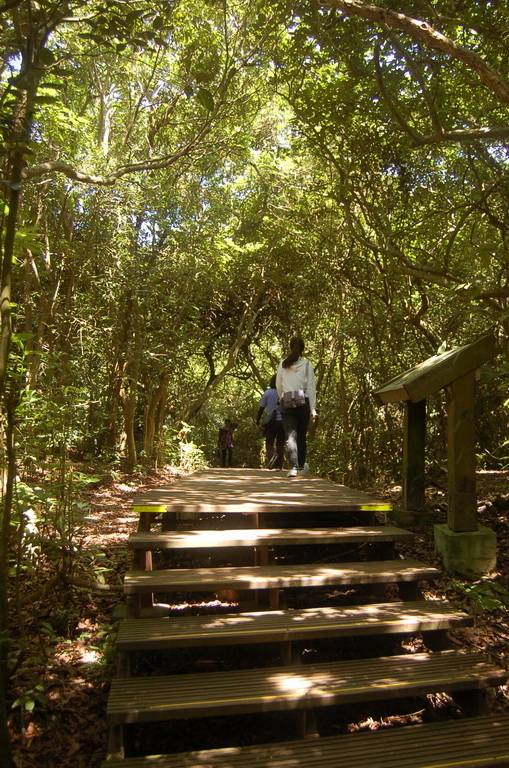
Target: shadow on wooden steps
{"points": [[465, 743], [145, 702]]}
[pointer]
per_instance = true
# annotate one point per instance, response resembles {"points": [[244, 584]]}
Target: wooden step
{"points": [[277, 576], [479, 742], [147, 699], [256, 537], [284, 626]]}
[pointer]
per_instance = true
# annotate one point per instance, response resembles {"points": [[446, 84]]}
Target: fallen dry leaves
{"points": [[70, 653]]}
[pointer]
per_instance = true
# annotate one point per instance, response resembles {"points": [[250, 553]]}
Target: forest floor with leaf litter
{"points": [[60, 686]]}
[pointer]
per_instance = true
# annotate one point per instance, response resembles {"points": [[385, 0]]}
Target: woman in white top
{"points": [[296, 386]]}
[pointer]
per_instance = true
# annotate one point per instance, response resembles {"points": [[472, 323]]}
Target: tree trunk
{"points": [[6, 752], [6, 760], [27, 85], [129, 390], [113, 403], [153, 420], [6, 283]]}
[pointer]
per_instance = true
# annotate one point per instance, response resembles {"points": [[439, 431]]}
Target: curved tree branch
{"points": [[147, 164], [59, 166], [431, 37], [466, 134]]}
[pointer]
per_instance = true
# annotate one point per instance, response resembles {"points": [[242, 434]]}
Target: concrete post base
{"points": [[467, 553]]}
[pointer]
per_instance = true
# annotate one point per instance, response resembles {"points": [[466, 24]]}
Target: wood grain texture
{"points": [[467, 743], [253, 491], [147, 699], [280, 576], [284, 625], [256, 537]]}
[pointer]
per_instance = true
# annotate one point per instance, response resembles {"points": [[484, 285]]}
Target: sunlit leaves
{"points": [[290, 191], [30, 698]]}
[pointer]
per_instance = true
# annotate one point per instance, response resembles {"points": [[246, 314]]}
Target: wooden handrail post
{"points": [[462, 513], [414, 439]]}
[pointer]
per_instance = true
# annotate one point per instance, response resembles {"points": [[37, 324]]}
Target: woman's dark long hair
{"points": [[296, 350]]}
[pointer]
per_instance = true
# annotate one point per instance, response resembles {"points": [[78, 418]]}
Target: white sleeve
{"points": [[311, 389], [279, 380]]}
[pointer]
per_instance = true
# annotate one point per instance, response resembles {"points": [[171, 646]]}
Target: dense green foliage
{"points": [[204, 180], [185, 185]]}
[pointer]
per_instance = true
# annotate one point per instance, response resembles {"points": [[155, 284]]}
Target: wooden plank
{"points": [[256, 537], [283, 626], [480, 742], [276, 576], [254, 491], [438, 371], [148, 699], [461, 459], [414, 442]]}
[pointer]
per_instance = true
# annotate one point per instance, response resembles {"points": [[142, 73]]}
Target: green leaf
{"points": [[22, 336], [133, 16], [41, 99], [46, 56], [205, 99], [204, 77]]}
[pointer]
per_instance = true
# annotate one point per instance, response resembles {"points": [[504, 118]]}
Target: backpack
{"points": [[294, 398]]}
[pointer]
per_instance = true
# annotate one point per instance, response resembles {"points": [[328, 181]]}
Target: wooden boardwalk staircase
{"points": [[363, 659]]}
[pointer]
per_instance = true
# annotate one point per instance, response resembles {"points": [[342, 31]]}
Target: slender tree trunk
{"points": [[241, 339], [6, 753], [22, 127], [6, 283], [159, 426], [129, 410], [110, 437], [6, 759], [153, 419], [129, 391]]}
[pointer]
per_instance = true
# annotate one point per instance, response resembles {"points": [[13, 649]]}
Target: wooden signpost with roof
{"points": [[454, 371]]}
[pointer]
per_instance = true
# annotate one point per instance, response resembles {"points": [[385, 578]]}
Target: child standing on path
{"points": [[225, 442]]}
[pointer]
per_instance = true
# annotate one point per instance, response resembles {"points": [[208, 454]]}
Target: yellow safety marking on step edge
{"points": [[289, 630], [465, 762], [276, 697], [376, 507], [152, 508]]}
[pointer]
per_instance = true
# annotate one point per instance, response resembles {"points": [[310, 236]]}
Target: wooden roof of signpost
{"points": [[437, 372], [454, 369]]}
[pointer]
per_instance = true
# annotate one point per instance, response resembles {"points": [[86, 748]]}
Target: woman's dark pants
{"points": [[296, 422]]}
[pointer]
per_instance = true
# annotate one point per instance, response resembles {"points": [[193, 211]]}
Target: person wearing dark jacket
{"points": [[225, 442]]}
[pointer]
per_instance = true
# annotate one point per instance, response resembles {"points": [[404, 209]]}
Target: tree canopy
{"points": [[187, 184]]}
